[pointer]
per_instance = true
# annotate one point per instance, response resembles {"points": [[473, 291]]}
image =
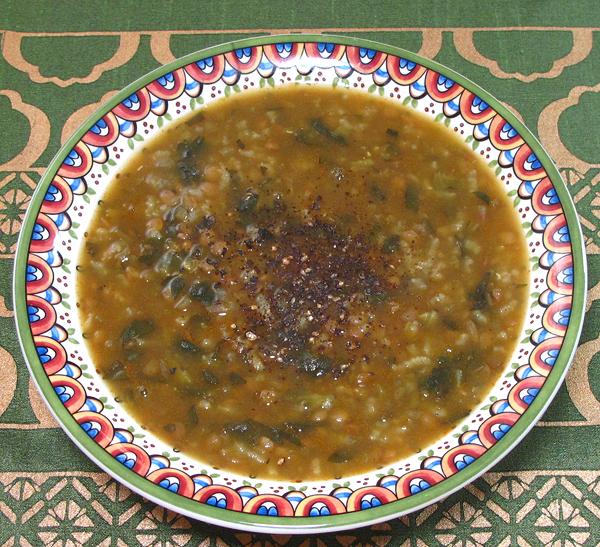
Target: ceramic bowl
{"points": [[64, 203]]}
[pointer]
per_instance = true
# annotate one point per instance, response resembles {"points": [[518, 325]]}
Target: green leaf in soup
{"points": [[173, 286], [319, 126], [248, 202], [185, 346], [411, 196], [483, 197], [340, 456], [192, 416], [377, 192], [203, 291], [137, 329], [116, 371], [210, 377], [480, 296], [439, 381], [236, 379], [391, 244]]}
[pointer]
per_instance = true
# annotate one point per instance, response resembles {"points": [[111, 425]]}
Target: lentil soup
{"points": [[303, 283]]}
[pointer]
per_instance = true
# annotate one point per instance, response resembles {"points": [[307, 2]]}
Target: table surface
{"points": [[542, 59]]}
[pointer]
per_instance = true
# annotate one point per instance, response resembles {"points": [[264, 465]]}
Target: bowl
{"points": [[66, 197]]}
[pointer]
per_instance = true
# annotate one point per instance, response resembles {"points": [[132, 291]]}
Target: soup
{"points": [[302, 283]]}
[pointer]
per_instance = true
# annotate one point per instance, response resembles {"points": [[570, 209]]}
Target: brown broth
{"points": [[303, 283]]}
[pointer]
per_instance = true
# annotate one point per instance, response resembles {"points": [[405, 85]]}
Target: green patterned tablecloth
{"points": [[59, 60]]}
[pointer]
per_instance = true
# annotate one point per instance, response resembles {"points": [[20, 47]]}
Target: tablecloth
{"points": [[59, 60]]}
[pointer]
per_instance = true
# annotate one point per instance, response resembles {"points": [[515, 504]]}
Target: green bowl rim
{"points": [[302, 525]]}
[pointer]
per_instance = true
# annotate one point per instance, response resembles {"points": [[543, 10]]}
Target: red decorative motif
{"points": [[185, 485], [403, 486], [540, 201], [46, 275], [553, 314], [58, 354], [364, 63], [312, 50], [552, 235], [78, 396], [103, 426], [134, 108], [406, 77], [471, 114], [105, 136], [541, 355], [451, 460], [61, 204], [280, 60], [242, 62], [500, 138], [334, 505], [210, 70], [232, 498], [527, 388], [49, 234], [523, 169], [381, 494], [438, 90], [487, 428], [46, 316], [555, 281], [169, 91], [142, 460], [79, 162], [282, 505]]}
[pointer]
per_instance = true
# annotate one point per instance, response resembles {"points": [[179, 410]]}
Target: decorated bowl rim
{"points": [[294, 524]]}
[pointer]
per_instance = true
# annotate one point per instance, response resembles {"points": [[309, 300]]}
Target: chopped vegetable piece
{"points": [[187, 149], [483, 197], [480, 296], [376, 191], [187, 347], [411, 197], [207, 222], [391, 244], [210, 377], [150, 250], [318, 125], [188, 173], [250, 431], [168, 263], [116, 371], [236, 379], [439, 381], [173, 286], [248, 203], [136, 330], [391, 132], [204, 292], [340, 456], [390, 151], [192, 416]]}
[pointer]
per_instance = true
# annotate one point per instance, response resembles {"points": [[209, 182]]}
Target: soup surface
{"points": [[303, 283]]}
